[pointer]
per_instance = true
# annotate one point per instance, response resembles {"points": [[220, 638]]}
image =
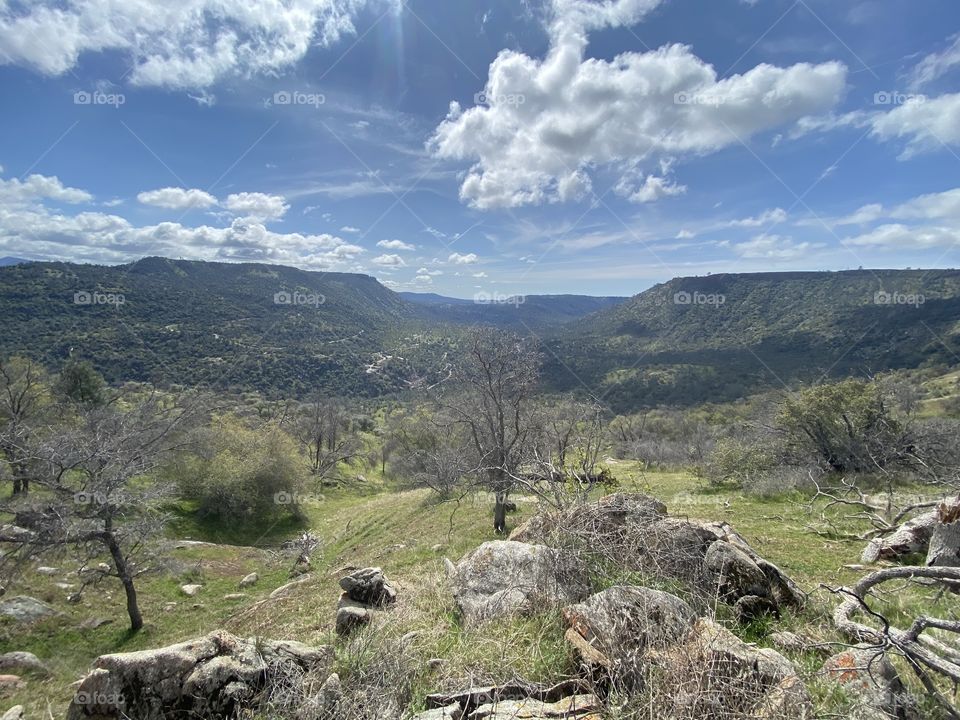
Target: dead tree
{"points": [[323, 427], [496, 383], [928, 656]]}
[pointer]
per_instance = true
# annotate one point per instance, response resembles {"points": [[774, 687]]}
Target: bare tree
{"points": [[96, 494], [497, 380], [323, 427], [24, 395]]}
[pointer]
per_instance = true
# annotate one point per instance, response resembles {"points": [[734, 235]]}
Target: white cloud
{"points": [[479, 275], [396, 245], [936, 65], [350, 229], [458, 259], [388, 260], [547, 121], [901, 237], [423, 279], [260, 206], [652, 188], [177, 198], [767, 217], [100, 237], [426, 271], [39, 187], [926, 125], [685, 235], [183, 44], [932, 206], [774, 247]]}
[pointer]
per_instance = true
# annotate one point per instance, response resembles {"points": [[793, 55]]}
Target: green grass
{"points": [[399, 531]]}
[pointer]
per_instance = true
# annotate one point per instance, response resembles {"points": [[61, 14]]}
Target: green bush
{"points": [[738, 462]]}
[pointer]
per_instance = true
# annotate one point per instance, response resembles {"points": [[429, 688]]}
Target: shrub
{"points": [[738, 462]]}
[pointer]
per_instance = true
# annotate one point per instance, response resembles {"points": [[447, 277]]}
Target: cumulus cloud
{"points": [[924, 125], [897, 236], [767, 217], [260, 206], [458, 259], [177, 198], [396, 245], [185, 44], [101, 237], [546, 121], [389, 260], [350, 229], [39, 187], [926, 221]]}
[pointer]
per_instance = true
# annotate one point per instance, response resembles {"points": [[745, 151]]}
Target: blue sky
{"points": [[511, 146]]}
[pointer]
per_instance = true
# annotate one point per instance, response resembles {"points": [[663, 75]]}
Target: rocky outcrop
{"points": [[210, 677], [364, 592], [633, 531], [869, 678], [505, 577], [22, 662]]}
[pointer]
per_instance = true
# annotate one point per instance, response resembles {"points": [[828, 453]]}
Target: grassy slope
{"points": [[396, 531]]}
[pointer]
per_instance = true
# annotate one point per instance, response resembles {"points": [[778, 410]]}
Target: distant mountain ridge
{"points": [[717, 336], [290, 332]]}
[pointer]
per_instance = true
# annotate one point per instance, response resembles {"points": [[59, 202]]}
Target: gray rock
{"points": [[191, 590], [49, 571], [575, 707], [234, 596], [25, 609], [791, 642], [504, 577], [250, 580], [23, 661], [615, 627], [944, 549], [451, 712], [369, 586], [94, 622], [733, 572], [325, 703], [350, 619], [285, 589], [753, 607], [870, 678], [206, 677], [14, 713]]}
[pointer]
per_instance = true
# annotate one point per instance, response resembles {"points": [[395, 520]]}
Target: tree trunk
{"points": [[123, 571], [500, 514], [945, 545]]}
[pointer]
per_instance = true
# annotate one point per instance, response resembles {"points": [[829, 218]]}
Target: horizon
{"points": [[556, 147]]}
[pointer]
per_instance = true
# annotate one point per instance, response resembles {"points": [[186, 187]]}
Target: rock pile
{"points": [[634, 531], [364, 592], [210, 677]]}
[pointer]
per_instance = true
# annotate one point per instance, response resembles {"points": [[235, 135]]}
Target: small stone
{"points": [[437, 548], [64, 586], [235, 596], [436, 663], [14, 713], [250, 580], [25, 609], [43, 570], [170, 607], [352, 618], [191, 590]]}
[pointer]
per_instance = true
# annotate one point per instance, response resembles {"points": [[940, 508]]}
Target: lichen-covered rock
{"points": [[25, 609], [351, 618], [22, 661], [614, 627], [210, 677], [575, 707], [504, 577]]}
